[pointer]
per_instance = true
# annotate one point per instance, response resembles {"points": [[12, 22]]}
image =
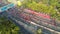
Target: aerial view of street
{"points": [[29, 16]]}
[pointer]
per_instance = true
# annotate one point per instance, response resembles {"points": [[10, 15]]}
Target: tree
{"points": [[7, 26]]}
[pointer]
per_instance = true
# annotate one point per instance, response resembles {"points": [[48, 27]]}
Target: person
{"points": [[54, 22]]}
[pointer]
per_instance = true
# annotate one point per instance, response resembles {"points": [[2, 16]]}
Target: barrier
{"points": [[4, 8]]}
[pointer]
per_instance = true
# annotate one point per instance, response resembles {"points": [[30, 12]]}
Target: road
{"points": [[35, 20]]}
